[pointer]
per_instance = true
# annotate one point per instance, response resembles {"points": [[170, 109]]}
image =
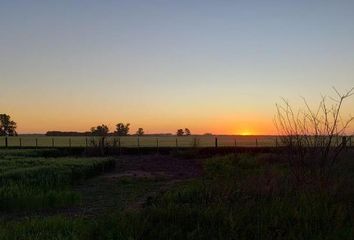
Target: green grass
{"points": [[243, 197], [28, 183], [26, 153]]}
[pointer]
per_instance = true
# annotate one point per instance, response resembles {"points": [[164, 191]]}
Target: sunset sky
{"points": [[212, 66]]}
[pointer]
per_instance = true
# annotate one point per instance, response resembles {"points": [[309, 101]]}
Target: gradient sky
{"points": [[213, 66]]}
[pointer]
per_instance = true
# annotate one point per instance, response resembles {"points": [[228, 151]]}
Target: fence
{"points": [[143, 141]]}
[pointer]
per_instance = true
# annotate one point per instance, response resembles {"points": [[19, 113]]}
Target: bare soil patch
{"points": [[134, 179]]}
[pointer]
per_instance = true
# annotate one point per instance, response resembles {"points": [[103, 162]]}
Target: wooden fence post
{"points": [[276, 142], [36, 143], [176, 143], [6, 142], [157, 145], [216, 142], [20, 141], [138, 143], [344, 142], [119, 146], [101, 146]]}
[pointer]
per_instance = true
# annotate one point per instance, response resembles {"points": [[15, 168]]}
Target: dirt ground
{"points": [[173, 167], [134, 179]]}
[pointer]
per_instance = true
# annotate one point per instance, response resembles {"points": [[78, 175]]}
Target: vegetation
{"points": [[28, 183], [180, 132], [122, 129], [245, 197], [60, 133], [140, 132], [146, 141], [7, 126], [101, 130], [187, 132], [314, 138], [239, 197]]}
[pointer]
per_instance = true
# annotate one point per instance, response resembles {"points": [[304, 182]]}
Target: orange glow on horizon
{"points": [[83, 120], [246, 133], [197, 126]]}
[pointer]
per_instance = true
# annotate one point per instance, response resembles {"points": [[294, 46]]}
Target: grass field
{"points": [[28, 182], [144, 141], [148, 141], [240, 196]]}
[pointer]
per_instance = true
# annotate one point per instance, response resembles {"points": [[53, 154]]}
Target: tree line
{"points": [[123, 130], [8, 128]]}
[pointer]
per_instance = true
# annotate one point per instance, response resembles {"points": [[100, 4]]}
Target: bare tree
{"points": [[314, 138]]}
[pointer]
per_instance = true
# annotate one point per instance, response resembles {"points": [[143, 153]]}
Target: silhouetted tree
{"points": [[101, 130], [122, 129], [180, 132], [187, 132], [7, 126], [140, 132]]}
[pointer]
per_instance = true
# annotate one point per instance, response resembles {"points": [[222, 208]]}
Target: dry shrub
{"points": [[314, 138]]}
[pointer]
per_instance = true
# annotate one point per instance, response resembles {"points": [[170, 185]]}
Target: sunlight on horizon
{"points": [[216, 67], [247, 133]]}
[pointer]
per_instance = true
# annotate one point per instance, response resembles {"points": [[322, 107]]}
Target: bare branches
{"points": [[316, 136]]}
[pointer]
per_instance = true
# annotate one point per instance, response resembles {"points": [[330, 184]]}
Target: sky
{"points": [[212, 66]]}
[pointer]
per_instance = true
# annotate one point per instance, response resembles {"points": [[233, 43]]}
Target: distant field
{"points": [[145, 141]]}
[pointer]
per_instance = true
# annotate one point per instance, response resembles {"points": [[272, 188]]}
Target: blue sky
{"points": [[212, 66]]}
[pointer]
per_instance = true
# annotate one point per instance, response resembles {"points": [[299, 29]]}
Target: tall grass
{"points": [[33, 183], [239, 197]]}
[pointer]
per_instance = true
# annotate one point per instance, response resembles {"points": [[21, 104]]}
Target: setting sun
{"points": [[246, 133], [211, 119]]}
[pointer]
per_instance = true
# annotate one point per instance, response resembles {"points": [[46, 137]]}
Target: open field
{"points": [[237, 196], [28, 183], [144, 141]]}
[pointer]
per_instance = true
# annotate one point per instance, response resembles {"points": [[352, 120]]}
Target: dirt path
{"points": [[134, 179], [177, 168]]}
